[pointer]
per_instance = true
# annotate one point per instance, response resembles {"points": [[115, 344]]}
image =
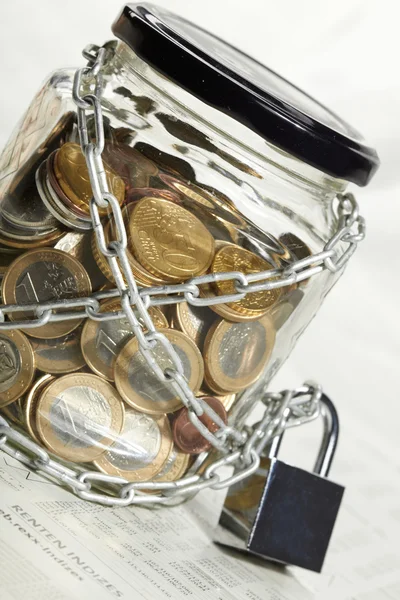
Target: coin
{"points": [[13, 412], [195, 321], [103, 340], [43, 275], [143, 277], [186, 435], [169, 241], [281, 312], [79, 416], [56, 201], [29, 405], [234, 258], [59, 355], [138, 384], [27, 241], [297, 248], [141, 449], [73, 178], [175, 467], [78, 245], [17, 366], [235, 354], [26, 209]]}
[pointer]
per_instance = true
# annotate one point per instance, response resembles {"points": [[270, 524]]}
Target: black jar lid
{"points": [[247, 91]]}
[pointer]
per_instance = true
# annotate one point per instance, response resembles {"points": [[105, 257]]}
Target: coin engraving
{"points": [[17, 366], [141, 450], [139, 385], [79, 416], [168, 240], [59, 355], [44, 275], [103, 340], [236, 353], [234, 258], [10, 363]]}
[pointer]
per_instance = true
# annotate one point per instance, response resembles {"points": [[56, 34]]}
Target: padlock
{"points": [[284, 513]]}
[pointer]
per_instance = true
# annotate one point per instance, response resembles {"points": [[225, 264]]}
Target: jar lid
{"points": [[234, 83]]}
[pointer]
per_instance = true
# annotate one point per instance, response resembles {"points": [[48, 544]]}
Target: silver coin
{"points": [[242, 348], [80, 417], [23, 234], [145, 383], [195, 321], [138, 444], [45, 281], [26, 209], [57, 208], [59, 355]]}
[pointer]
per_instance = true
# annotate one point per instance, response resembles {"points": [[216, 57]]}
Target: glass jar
{"points": [[219, 165]]}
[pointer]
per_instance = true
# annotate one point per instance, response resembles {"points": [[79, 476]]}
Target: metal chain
{"points": [[282, 410], [237, 448]]}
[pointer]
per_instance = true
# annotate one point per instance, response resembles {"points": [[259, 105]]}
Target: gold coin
{"points": [[17, 366], [234, 258], [195, 321], [138, 384], [73, 178], [169, 241], [44, 275], [235, 354], [29, 405], [141, 449], [59, 355], [103, 340], [143, 277], [79, 416]]}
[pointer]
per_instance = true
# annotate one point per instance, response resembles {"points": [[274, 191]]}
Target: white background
{"points": [[346, 53]]}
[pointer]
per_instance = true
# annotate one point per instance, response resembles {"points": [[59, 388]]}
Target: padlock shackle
{"points": [[330, 437]]}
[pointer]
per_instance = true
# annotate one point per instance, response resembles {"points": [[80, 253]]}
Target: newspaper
{"points": [[57, 547]]}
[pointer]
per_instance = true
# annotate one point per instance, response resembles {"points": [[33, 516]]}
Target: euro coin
{"points": [[103, 340], [169, 241], [44, 275], [194, 321], [59, 355], [73, 177], [141, 449], [29, 405], [187, 436], [139, 385], [234, 258], [17, 366], [235, 354], [79, 416]]}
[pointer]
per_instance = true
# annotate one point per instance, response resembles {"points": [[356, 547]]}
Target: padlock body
{"points": [[296, 516]]}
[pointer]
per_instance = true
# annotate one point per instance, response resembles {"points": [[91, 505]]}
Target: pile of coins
{"points": [[84, 389]]}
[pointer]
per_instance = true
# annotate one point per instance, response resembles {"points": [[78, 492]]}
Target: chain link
{"points": [[241, 449]]}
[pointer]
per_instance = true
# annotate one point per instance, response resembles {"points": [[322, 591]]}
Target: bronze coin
{"points": [[186, 435]]}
